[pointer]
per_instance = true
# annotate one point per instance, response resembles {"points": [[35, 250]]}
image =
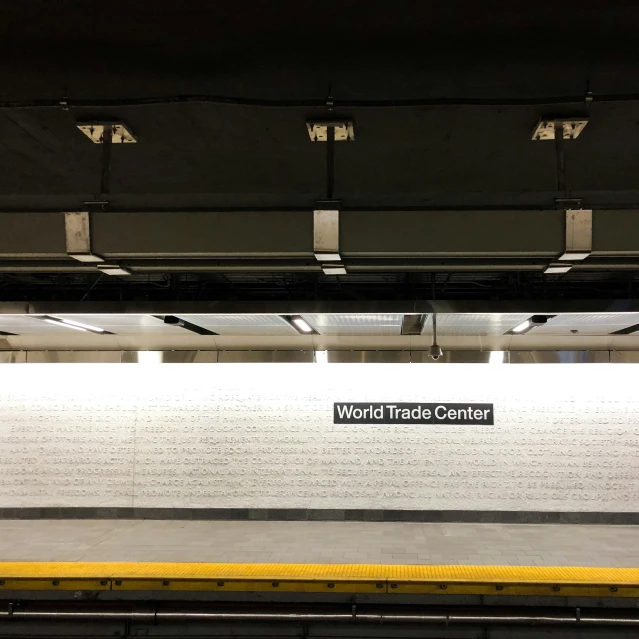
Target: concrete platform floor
{"points": [[319, 542]]}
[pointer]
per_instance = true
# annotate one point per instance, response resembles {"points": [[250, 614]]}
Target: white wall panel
{"points": [[565, 437]]}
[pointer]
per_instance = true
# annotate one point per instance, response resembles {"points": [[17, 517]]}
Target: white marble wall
{"points": [[566, 437]]}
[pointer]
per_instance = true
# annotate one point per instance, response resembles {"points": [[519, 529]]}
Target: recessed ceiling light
{"points": [[300, 324]]}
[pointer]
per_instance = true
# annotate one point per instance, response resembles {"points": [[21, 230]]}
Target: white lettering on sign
{"points": [[392, 436]]}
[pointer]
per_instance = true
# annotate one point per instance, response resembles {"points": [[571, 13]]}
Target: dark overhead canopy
{"points": [[209, 155], [444, 97]]}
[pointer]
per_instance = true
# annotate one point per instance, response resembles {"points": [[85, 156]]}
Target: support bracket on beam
{"points": [[326, 235], [578, 241], [578, 235], [326, 241], [77, 227]]}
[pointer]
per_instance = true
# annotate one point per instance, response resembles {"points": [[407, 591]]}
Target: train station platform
{"points": [[329, 557]]}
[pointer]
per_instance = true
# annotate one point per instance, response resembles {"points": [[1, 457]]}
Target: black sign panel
{"points": [[387, 413]]}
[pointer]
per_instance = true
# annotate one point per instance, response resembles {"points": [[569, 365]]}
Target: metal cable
{"points": [[67, 103]]}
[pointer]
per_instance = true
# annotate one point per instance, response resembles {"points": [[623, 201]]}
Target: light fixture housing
{"points": [[78, 326]]}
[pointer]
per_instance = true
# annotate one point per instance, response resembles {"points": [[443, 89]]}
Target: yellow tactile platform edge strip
{"points": [[378, 578]]}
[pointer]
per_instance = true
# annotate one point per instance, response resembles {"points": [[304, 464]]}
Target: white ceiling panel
{"points": [[473, 324], [329, 324], [242, 324], [359, 324], [587, 324]]}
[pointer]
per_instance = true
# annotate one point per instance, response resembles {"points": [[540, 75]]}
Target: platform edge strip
{"points": [[392, 579]]}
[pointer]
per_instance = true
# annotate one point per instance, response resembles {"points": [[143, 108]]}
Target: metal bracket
{"points": [[121, 134], [318, 130], [334, 269], [326, 241], [557, 267], [571, 127], [578, 235], [113, 269], [326, 235], [578, 241], [77, 228]]}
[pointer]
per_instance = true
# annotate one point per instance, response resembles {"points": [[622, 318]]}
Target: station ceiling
{"points": [[327, 324], [317, 330]]}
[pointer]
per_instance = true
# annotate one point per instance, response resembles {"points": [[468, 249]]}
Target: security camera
{"points": [[435, 351]]}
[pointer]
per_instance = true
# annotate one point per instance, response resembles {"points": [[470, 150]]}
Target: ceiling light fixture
{"points": [[300, 324], [523, 327], [78, 326], [529, 324]]}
